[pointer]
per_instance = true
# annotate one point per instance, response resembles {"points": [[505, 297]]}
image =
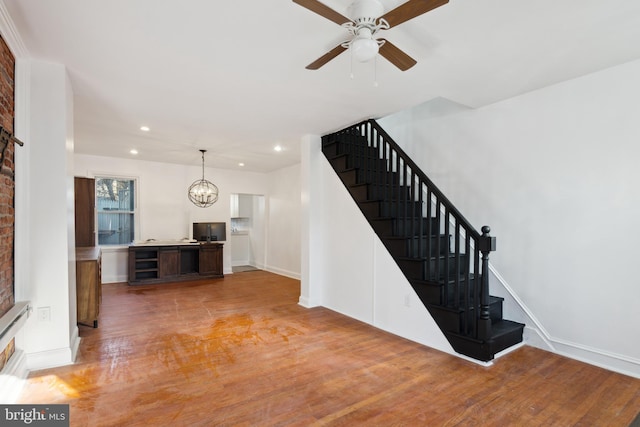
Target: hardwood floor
{"points": [[240, 351]]}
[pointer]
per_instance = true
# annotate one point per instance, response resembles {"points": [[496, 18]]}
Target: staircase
{"points": [[444, 258]]}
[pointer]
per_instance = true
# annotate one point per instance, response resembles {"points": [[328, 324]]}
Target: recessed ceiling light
{"points": [[277, 148], [145, 128], [133, 151], [240, 164]]}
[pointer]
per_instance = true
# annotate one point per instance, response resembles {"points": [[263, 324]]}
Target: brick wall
{"points": [[7, 66]]}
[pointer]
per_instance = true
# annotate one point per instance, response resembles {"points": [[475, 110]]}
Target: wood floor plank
{"points": [[241, 351]]}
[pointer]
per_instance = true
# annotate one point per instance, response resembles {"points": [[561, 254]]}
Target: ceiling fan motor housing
{"points": [[366, 12]]}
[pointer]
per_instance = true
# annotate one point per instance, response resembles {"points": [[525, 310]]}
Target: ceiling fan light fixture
{"points": [[364, 47]]}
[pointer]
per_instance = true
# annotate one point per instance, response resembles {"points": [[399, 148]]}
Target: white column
{"points": [[311, 235], [45, 250]]}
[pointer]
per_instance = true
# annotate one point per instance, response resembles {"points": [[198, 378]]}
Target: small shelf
{"points": [[145, 275]]}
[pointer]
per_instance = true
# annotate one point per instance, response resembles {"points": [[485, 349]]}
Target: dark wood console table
{"points": [[171, 263]]}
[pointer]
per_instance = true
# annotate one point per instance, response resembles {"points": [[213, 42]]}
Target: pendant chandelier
{"points": [[203, 193]]}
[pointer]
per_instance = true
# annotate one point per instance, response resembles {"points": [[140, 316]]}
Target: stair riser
{"points": [[331, 149], [371, 164], [363, 193], [380, 209], [485, 351], [381, 177], [344, 162], [360, 176], [453, 321], [339, 163], [435, 293], [402, 227], [349, 177], [410, 247], [416, 269], [350, 147]]}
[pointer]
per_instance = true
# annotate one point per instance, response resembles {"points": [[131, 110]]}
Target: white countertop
{"points": [[153, 242]]}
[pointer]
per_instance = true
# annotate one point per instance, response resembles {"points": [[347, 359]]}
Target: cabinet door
{"points": [[245, 205], [211, 259], [168, 261], [235, 208], [85, 189]]}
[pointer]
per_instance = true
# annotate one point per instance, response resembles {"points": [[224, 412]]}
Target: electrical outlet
{"points": [[407, 301], [44, 314]]}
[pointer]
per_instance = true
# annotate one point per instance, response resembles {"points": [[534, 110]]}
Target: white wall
{"points": [[283, 222], [165, 212], [554, 173], [45, 246], [258, 233], [345, 266]]}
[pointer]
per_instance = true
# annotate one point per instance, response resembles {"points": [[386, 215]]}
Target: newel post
{"points": [[486, 244]]}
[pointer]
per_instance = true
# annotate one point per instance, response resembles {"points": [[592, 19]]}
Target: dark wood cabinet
{"points": [[168, 262], [157, 264], [210, 258], [85, 200], [88, 285]]}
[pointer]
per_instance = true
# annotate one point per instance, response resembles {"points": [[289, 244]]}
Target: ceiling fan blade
{"points": [[397, 57], [410, 10], [326, 57], [323, 10]]}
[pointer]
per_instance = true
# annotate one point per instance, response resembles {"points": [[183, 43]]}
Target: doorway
{"points": [[247, 240]]}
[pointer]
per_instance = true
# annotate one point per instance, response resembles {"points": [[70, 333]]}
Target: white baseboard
{"points": [[12, 377], [306, 302], [75, 343], [282, 272], [49, 358], [115, 279], [613, 362]]}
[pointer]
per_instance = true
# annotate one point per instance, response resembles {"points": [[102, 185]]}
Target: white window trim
{"points": [[136, 204]]}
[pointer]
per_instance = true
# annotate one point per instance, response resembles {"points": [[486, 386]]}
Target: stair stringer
{"points": [[372, 273]]}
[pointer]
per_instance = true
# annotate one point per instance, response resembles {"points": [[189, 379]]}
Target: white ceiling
{"points": [[230, 77]]}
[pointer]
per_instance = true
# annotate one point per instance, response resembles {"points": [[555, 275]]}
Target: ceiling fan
{"points": [[367, 21]]}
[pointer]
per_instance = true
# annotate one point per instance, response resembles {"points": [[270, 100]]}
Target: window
{"points": [[115, 204]]}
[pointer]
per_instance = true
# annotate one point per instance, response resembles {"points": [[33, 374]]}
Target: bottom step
{"points": [[504, 334]]}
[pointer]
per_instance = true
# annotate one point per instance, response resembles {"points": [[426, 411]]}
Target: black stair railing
{"points": [[418, 208]]}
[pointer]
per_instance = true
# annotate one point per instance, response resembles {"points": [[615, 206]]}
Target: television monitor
{"points": [[210, 231]]}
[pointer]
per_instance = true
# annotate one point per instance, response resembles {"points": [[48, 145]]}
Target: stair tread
{"points": [[418, 259], [433, 283], [498, 329], [433, 236], [401, 218], [492, 300], [503, 327]]}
